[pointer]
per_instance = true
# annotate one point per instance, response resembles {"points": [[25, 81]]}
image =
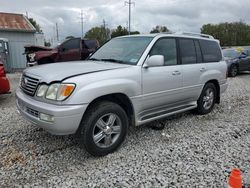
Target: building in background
{"points": [[15, 32]]}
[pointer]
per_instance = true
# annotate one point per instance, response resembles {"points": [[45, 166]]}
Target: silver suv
{"points": [[131, 80]]}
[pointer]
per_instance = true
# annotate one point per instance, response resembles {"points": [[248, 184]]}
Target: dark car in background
{"points": [[72, 49], [238, 59]]}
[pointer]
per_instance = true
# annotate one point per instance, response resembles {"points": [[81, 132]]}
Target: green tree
{"points": [[229, 34], [119, 31], [69, 37], [159, 29], [134, 32], [36, 25], [99, 33]]}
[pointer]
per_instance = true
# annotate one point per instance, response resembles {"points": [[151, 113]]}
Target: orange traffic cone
{"points": [[235, 179]]}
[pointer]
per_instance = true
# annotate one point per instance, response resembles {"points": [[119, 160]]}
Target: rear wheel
{"points": [[103, 128], [207, 99], [233, 71]]}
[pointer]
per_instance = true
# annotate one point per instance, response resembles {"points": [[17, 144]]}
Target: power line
{"points": [[129, 14]]}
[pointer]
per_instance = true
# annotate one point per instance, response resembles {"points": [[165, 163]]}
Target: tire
{"points": [[206, 104], [103, 128], [233, 71]]}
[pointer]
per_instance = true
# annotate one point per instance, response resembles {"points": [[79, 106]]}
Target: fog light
{"points": [[46, 117]]}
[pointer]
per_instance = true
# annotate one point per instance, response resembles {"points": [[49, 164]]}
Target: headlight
{"points": [[41, 90], [55, 91]]}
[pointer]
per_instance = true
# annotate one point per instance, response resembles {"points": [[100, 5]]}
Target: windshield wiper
{"points": [[113, 60]]}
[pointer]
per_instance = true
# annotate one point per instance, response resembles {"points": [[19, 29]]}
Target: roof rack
{"points": [[195, 34]]}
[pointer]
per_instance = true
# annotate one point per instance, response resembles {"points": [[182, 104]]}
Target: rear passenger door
{"points": [[192, 68]]}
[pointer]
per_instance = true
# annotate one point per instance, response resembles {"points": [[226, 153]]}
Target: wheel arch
{"points": [[120, 99], [217, 86]]}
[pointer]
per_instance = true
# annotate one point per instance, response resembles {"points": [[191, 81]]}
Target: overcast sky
{"points": [[177, 15]]}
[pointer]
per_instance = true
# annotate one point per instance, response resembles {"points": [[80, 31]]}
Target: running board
{"points": [[165, 113]]}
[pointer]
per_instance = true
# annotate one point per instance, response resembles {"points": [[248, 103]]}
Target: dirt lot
{"points": [[190, 151]]}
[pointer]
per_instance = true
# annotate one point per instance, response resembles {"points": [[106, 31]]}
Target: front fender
{"points": [[91, 91], [46, 54]]}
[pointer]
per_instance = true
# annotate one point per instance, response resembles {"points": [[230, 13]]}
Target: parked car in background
{"points": [[72, 49], [4, 82], [130, 80], [238, 59]]}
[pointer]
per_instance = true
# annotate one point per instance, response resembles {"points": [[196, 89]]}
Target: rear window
{"points": [[211, 51]]}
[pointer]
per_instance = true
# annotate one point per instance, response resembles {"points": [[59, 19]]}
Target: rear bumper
{"points": [[67, 118], [5, 86]]}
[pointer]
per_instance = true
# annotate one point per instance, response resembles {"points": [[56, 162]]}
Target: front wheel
{"points": [[103, 128], [207, 99]]}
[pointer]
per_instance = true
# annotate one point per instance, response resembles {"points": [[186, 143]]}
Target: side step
{"points": [[164, 113]]}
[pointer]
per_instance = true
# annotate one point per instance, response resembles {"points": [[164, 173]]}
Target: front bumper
{"points": [[67, 118], [31, 64]]}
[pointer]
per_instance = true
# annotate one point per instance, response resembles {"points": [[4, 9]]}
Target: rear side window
{"points": [[167, 48], [211, 51], [198, 51], [71, 44], [187, 51], [90, 44]]}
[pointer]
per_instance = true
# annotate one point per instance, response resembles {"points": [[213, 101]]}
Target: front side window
{"points": [[125, 50], [167, 48], [211, 51], [187, 51]]}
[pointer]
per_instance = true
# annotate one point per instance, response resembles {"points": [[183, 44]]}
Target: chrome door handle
{"points": [[203, 69], [176, 73]]}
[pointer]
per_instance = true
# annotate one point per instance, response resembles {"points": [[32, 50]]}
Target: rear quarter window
{"points": [[211, 51]]}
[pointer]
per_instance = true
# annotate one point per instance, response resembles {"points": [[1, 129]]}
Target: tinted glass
{"points": [[127, 50], [210, 50], [89, 44], [167, 48], [198, 51], [187, 50], [71, 44]]}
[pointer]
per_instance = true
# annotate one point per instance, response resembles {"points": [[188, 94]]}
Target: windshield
{"points": [[127, 50], [230, 53]]}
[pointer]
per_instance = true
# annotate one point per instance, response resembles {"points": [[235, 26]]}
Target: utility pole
{"points": [[104, 27], [57, 33], [129, 14], [81, 22]]}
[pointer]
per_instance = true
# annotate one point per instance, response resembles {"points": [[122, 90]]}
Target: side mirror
{"points": [[154, 61]]}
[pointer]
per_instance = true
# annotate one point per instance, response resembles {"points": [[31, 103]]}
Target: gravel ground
{"points": [[191, 151]]}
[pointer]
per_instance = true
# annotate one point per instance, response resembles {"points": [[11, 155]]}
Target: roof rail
{"points": [[196, 34]]}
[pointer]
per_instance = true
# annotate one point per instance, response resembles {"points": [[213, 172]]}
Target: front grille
{"points": [[32, 112], [29, 85]]}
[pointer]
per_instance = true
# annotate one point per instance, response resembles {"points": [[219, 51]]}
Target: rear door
{"points": [[192, 68], [244, 61], [70, 50], [162, 85]]}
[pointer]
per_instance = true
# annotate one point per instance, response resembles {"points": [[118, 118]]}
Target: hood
{"points": [[60, 71]]}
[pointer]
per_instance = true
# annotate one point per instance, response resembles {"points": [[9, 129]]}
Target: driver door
{"points": [[162, 85]]}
